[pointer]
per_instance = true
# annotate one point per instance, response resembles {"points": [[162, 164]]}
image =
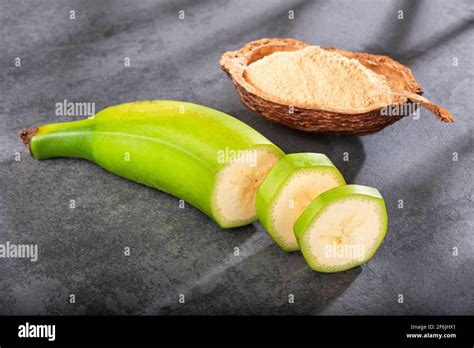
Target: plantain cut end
{"points": [[26, 135]]}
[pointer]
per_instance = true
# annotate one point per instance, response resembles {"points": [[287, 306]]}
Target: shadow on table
{"points": [[262, 284], [393, 36]]}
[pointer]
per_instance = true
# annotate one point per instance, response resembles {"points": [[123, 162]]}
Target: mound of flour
{"points": [[316, 77]]}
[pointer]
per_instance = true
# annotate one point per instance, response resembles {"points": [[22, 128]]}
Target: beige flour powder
{"points": [[315, 77]]}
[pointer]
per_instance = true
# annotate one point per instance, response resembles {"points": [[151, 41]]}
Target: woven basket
{"points": [[359, 122]]}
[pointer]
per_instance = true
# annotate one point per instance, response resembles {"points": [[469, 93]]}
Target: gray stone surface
{"points": [[180, 251]]}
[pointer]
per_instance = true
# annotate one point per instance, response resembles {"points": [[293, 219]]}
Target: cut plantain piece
{"points": [[289, 187], [236, 187], [342, 228]]}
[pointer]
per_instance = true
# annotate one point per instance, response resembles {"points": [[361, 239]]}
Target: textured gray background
{"points": [[177, 251]]}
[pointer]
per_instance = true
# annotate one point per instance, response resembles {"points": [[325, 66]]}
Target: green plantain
{"points": [[211, 160]]}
